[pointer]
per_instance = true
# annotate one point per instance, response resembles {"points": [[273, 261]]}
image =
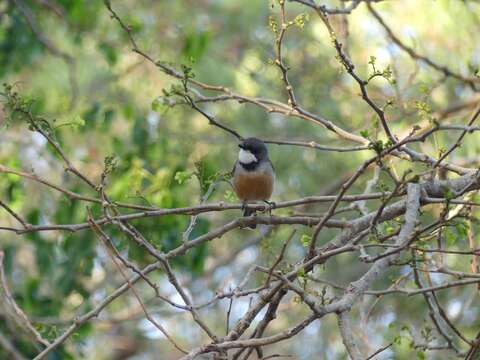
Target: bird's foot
{"points": [[270, 205], [248, 212]]}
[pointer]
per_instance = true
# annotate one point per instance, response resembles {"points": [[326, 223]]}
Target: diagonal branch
{"points": [[13, 311], [413, 54]]}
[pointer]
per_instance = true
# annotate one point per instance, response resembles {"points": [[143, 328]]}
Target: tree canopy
{"points": [[121, 234]]}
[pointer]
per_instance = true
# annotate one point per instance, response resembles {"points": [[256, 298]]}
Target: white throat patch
{"points": [[246, 157]]}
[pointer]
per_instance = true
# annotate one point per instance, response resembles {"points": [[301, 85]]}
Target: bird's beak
{"points": [[240, 146]]}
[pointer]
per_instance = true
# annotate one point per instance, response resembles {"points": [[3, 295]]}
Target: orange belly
{"points": [[253, 186]]}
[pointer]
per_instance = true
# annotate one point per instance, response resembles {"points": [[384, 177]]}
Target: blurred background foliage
{"points": [[75, 64]]}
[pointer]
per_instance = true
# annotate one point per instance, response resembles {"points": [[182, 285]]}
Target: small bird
{"points": [[253, 174]]}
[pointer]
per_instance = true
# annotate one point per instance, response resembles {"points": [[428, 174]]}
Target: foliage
{"points": [[136, 140]]}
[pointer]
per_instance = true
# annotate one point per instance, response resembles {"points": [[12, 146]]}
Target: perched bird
{"points": [[253, 174]]}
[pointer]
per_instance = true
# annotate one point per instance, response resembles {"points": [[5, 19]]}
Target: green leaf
{"points": [[449, 194], [230, 196], [109, 53], [195, 45], [110, 163], [365, 134], [78, 122], [378, 146], [300, 20], [450, 236], [272, 23], [462, 228], [182, 176], [305, 240]]}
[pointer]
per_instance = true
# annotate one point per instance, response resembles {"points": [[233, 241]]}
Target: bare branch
{"points": [[13, 311]]}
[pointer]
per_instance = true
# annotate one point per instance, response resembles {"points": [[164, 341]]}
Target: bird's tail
{"points": [[248, 212]]}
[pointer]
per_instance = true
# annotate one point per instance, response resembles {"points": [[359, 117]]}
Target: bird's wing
{"points": [[271, 166]]}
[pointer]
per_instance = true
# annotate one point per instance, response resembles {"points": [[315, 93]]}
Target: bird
{"points": [[253, 174]]}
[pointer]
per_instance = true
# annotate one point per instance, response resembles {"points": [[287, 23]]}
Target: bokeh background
{"points": [[78, 68]]}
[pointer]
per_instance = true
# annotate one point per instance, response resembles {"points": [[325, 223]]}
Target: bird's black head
{"points": [[256, 147]]}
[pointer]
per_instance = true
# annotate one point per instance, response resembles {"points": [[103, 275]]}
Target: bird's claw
{"points": [[270, 205]]}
